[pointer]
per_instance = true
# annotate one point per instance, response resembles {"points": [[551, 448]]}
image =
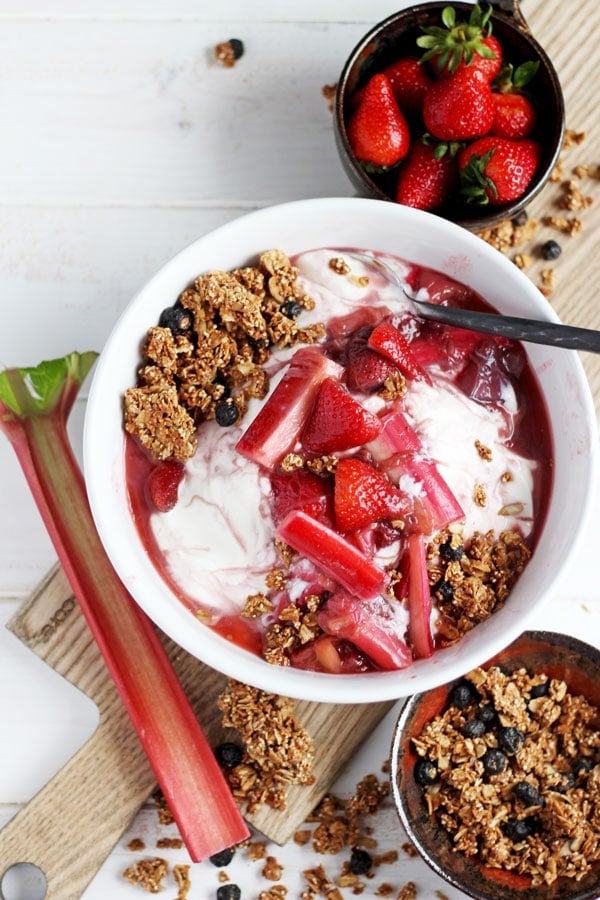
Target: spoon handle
{"points": [[533, 330]]}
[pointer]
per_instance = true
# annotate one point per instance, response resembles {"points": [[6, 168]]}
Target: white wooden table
{"points": [[122, 140]]}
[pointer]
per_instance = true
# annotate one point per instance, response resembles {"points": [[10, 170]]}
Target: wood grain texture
{"points": [[69, 828]]}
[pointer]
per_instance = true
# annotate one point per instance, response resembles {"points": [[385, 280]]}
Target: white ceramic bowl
{"points": [[413, 235]]}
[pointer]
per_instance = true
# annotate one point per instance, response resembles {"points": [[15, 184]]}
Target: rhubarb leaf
{"points": [[37, 390]]}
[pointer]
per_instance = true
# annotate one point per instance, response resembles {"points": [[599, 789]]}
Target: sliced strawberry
{"points": [[337, 421], [340, 328], [391, 343], [370, 625], [363, 495], [282, 417], [303, 490], [333, 554], [366, 370], [162, 486], [419, 598]]}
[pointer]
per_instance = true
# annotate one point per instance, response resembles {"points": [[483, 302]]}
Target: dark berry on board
{"points": [[473, 728], [177, 319], [360, 862], [539, 690], [444, 590], [520, 218], [229, 754], [551, 250], [237, 47], [528, 794], [291, 309], [494, 761], [226, 413], [488, 715], [449, 553], [223, 857], [510, 740], [426, 771], [229, 892], [462, 695], [518, 829]]}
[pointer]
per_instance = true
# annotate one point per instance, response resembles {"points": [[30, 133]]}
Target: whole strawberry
{"points": [[514, 116], [410, 82], [378, 132], [459, 43], [460, 107], [495, 170], [427, 177]]}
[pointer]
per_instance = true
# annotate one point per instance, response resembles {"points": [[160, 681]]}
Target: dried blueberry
{"points": [[462, 695], [291, 309], [488, 715], [528, 794], [223, 857], [518, 829], [473, 728], [229, 754], [510, 740], [551, 250], [360, 862], [444, 590], [237, 47], [449, 552], [520, 218], [426, 771], [229, 892], [494, 761], [539, 690], [226, 413], [582, 765], [177, 319]]}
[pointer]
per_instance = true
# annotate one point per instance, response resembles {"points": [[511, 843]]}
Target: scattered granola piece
{"points": [[136, 844], [408, 891], [148, 874], [257, 850], [302, 836], [277, 892], [165, 816], [228, 52], [181, 873], [339, 265], [329, 91], [480, 495], [169, 843], [272, 869], [483, 451]]}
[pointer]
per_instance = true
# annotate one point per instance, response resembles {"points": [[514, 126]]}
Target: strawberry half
{"points": [[366, 370], [282, 417], [337, 421], [333, 554], [378, 132], [303, 490], [363, 494], [495, 170], [460, 107], [427, 179], [392, 344], [162, 486]]}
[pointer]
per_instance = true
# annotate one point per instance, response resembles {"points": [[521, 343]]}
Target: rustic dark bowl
{"points": [[395, 37], [558, 655]]}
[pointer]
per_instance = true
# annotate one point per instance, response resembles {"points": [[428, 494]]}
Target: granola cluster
{"points": [[206, 357], [511, 770], [277, 749]]}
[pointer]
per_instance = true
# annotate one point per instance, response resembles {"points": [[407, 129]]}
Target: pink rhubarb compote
{"points": [[411, 429]]}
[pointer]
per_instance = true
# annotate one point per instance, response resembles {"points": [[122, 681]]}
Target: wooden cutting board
{"points": [[69, 828]]}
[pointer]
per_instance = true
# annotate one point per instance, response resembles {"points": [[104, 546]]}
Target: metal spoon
{"points": [[535, 331]]}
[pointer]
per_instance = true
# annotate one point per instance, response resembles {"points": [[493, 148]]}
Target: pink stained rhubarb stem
{"points": [[34, 407]]}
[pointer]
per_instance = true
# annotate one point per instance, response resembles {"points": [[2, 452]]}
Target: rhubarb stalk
{"points": [[34, 407]]}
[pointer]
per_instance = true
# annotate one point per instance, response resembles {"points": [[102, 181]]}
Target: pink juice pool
{"points": [[381, 499]]}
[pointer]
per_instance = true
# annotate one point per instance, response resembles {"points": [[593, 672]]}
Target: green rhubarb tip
{"points": [[37, 390]]}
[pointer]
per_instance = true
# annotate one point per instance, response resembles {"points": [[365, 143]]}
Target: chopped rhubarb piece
{"points": [[333, 554], [371, 625], [363, 494], [396, 436], [337, 421], [419, 598], [333, 655], [391, 343], [282, 417], [303, 490]]}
